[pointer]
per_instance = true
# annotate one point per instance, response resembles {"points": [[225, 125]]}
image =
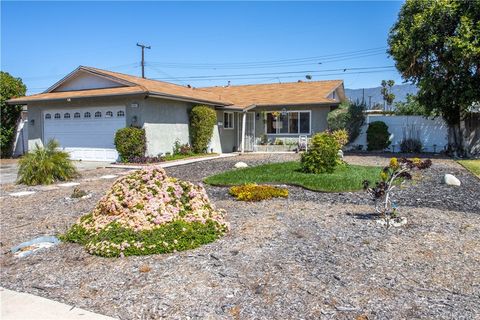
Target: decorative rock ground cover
{"points": [[313, 255]]}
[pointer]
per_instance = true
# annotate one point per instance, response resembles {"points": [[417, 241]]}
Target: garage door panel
{"points": [[85, 138]]}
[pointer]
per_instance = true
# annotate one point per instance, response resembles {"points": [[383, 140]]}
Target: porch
{"points": [[273, 129]]}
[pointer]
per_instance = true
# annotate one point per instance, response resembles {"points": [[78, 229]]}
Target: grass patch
{"points": [[471, 165], [344, 178]]}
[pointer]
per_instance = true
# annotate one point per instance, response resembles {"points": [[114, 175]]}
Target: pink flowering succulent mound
{"points": [[147, 212]]}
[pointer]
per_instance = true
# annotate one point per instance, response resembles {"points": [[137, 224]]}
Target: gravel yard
{"points": [[313, 255]]}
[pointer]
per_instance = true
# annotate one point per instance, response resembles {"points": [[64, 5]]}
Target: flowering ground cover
{"points": [[344, 178], [254, 192], [147, 212]]}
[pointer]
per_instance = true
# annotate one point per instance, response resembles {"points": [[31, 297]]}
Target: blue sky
{"points": [[244, 42]]}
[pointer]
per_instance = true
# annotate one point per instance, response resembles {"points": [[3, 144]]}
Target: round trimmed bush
{"points": [[147, 212], [377, 136], [322, 155], [202, 122], [130, 143]]}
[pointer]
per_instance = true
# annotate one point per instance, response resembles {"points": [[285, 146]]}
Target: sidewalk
{"points": [[23, 306], [174, 162]]}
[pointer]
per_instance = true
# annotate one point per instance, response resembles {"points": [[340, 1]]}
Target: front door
{"points": [[249, 131]]}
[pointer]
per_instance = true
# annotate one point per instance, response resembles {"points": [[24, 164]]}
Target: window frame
{"points": [[232, 122], [288, 123]]}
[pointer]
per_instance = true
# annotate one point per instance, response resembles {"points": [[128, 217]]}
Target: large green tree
{"points": [[436, 45], [10, 87]]}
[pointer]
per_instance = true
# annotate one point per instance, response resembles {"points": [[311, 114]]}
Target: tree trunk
{"points": [[456, 141]]}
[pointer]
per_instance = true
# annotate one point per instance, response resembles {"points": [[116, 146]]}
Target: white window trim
{"points": [[292, 134], [232, 122]]}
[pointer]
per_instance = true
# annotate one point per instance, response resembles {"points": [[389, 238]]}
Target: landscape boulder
{"points": [[451, 180], [240, 165]]}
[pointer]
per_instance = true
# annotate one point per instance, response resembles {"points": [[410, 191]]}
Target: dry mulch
{"points": [[313, 255]]}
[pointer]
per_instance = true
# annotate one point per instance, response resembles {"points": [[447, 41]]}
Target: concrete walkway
{"points": [[175, 162], [23, 306]]}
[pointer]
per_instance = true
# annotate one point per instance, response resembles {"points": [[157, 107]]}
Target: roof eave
{"points": [[187, 99], [19, 101]]}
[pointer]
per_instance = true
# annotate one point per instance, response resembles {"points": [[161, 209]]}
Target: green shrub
{"points": [[130, 143], [202, 122], [411, 145], [377, 136], [254, 192], [338, 118], [46, 166], [182, 149], [349, 116], [322, 154], [147, 212]]}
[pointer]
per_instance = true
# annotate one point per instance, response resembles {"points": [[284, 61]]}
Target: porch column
{"points": [[244, 122]]}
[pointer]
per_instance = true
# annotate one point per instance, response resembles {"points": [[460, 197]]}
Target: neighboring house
{"points": [[85, 109]]}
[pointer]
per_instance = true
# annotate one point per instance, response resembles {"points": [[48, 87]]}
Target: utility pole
{"points": [[370, 102], [143, 57]]}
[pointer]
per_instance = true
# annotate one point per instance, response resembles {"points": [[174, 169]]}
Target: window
{"points": [[76, 115], [66, 115], [293, 122], [228, 120], [87, 115], [48, 116], [57, 116], [120, 113], [108, 114], [98, 114]]}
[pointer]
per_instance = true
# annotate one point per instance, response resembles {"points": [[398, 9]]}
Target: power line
{"points": [[288, 76], [270, 62], [273, 73]]}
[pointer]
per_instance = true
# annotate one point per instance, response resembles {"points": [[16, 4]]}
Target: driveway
{"points": [[9, 168]]}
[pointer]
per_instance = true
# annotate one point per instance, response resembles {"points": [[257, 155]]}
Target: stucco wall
{"points": [[35, 112], [164, 121], [228, 139]]}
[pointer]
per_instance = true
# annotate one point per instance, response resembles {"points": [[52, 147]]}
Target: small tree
{"points": [[377, 136], [435, 45], [202, 122], [410, 107], [349, 116], [10, 87], [387, 94]]}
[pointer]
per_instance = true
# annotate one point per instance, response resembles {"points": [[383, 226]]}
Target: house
{"points": [[85, 109]]}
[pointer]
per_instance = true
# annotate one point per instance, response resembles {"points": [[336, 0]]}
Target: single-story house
{"points": [[85, 109]]}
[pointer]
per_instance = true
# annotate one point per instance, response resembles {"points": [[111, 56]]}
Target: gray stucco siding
{"points": [[164, 122], [228, 137]]}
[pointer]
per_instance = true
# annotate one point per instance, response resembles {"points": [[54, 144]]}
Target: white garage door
{"points": [[86, 133]]}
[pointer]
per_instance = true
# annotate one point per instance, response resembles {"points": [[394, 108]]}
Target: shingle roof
{"points": [[77, 94], [313, 92]]}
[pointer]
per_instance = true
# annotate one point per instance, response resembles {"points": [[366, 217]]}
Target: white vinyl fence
{"points": [[433, 133]]}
